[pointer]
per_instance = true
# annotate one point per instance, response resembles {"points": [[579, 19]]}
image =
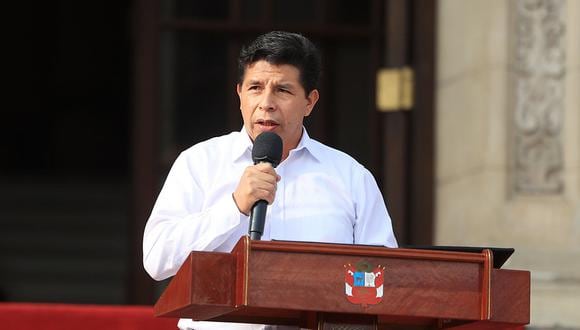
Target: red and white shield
{"points": [[364, 283]]}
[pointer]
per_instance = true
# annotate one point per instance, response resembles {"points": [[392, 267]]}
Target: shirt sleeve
{"points": [[179, 223], [373, 224]]}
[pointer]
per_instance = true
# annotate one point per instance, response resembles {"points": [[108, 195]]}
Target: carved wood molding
{"points": [[539, 53]]}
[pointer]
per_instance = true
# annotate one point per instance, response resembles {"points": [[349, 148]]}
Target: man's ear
{"points": [[312, 98], [239, 91]]}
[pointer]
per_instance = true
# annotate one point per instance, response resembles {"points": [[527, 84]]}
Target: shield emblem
{"points": [[364, 283]]}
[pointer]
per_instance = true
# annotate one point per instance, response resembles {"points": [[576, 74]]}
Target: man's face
{"points": [[272, 99]]}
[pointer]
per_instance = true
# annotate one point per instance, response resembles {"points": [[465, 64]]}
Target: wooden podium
{"points": [[313, 285]]}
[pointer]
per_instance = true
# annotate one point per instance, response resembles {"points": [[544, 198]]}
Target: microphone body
{"points": [[258, 220], [267, 148]]}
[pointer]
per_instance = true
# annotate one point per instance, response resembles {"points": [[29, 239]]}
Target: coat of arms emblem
{"points": [[364, 283]]}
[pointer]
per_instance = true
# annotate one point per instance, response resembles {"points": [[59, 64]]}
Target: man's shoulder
{"points": [[339, 164], [215, 143], [327, 153], [215, 147]]}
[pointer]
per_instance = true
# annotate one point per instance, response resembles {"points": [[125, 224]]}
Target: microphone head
{"points": [[267, 148]]}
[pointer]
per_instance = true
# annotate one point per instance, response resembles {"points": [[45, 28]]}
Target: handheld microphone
{"points": [[267, 148]]}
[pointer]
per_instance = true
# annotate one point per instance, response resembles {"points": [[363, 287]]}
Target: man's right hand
{"points": [[257, 182]]}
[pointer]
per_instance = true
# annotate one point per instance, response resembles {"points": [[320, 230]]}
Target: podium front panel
{"points": [[320, 282]]}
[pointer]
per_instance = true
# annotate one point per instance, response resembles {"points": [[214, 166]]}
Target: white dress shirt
{"points": [[324, 195]]}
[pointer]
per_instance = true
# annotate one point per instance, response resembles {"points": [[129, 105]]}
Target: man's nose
{"points": [[267, 102]]}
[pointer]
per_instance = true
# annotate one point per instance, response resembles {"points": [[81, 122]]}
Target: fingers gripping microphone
{"points": [[267, 148]]}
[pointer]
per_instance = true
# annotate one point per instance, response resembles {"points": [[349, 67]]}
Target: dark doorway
{"points": [[65, 155]]}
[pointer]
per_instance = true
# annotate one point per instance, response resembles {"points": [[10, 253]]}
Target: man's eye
{"points": [[253, 87]]}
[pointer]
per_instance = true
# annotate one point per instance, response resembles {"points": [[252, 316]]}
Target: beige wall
{"points": [[477, 201]]}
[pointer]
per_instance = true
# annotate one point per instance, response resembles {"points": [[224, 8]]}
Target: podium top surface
{"points": [[500, 254]]}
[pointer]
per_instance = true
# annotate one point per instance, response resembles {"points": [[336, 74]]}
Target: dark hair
{"points": [[279, 47]]}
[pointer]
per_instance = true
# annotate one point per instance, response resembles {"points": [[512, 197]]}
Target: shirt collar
{"points": [[242, 149], [309, 145]]}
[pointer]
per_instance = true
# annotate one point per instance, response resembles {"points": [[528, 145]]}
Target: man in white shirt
{"points": [[316, 193]]}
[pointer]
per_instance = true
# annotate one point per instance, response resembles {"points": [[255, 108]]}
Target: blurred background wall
{"points": [[508, 141], [105, 95]]}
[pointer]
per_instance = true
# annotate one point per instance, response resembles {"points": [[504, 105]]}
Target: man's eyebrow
{"points": [[282, 84], [287, 85]]}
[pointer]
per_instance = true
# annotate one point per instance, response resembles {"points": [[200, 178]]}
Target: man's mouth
{"points": [[267, 125]]}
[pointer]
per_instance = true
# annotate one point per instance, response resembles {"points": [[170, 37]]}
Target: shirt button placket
{"points": [[278, 214]]}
